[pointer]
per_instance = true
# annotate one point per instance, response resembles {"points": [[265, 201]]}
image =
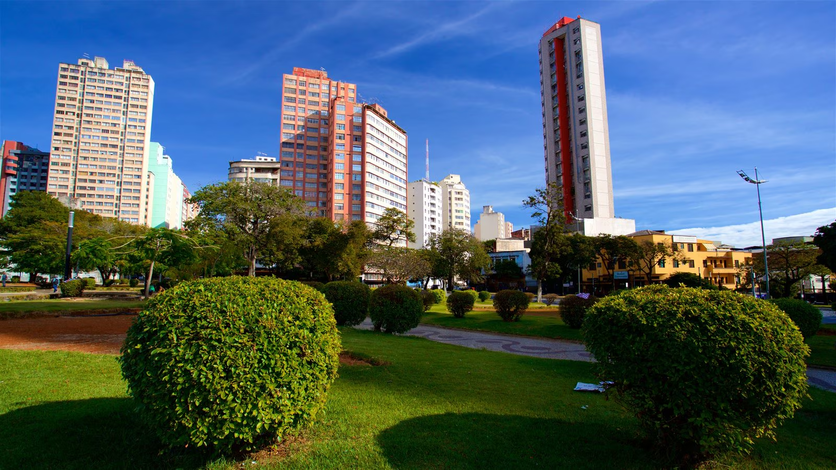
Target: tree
{"points": [[460, 254], [576, 251], [825, 239], [490, 245], [251, 214], [333, 250], [647, 255], [789, 263], [167, 247], [547, 209], [614, 249], [96, 253], [399, 264], [393, 227]]}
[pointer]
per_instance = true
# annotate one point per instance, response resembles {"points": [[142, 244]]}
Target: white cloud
{"points": [[750, 234]]}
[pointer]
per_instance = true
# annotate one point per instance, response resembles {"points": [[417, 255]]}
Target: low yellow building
{"points": [[720, 264]]}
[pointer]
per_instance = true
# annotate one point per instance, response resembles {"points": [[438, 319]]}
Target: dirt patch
{"points": [[350, 358], [99, 334], [826, 332]]}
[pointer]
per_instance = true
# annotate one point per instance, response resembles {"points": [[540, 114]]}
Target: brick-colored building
{"points": [[101, 131], [345, 158], [24, 168]]}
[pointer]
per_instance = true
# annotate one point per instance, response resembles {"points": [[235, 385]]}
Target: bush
{"points": [[484, 295], [440, 296], [473, 294], [573, 309], [395, 309], [108, 283], [682, 279], [231, 363], [315, 284], [133, 282], [350, 300], [530, 296], [428, 298], [510, 304], [806, 317], [460, 303], [15, 279], [89, 282], [74, 288], [17, 289], [550, 299], [704, 371]]}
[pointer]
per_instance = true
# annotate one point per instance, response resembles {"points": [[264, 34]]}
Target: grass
{"points": [[39, 307], [432, 406], [546, 324], [823, 347]]}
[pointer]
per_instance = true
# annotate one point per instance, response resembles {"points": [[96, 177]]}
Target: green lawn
{"points": [[34, 307], [823, 348], [433, 406], [544, 325]]}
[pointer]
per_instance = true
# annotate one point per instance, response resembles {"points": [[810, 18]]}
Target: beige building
{"points": [[262, 169], [425, 211], [491, 225], [575, 129], [101, 131], [455, 202]]}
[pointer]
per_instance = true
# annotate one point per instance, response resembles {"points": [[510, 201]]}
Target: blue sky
{"points": [[695, 90]]}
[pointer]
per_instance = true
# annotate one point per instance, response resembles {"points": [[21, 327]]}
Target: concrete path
{"points": [[547, 348]]}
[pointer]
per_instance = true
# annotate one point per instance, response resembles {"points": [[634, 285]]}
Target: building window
{"points": [[690, 263], [583, 133], [690, 247], [582, 110]]}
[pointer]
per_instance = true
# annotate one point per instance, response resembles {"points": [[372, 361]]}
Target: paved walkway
{"points": [[547, 348]]}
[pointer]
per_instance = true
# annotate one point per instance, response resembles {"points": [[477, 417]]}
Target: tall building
{"points": [[24, 168], [101, 131], [425, 210], [455, 199], [491, 225], [575, 129], [346, 159], [262, 169], [165, 200]]}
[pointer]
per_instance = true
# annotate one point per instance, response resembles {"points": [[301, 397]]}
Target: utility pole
{"points": [[67, 266]]}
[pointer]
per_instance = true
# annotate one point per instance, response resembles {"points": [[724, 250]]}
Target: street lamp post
{"points": [[67, 266], [577, 230], [758, 184]]}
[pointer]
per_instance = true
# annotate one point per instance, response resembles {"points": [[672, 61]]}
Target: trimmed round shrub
{"points": [[231, 363], [573, 309], [350, 300], [74, 288], [133, 282], [550, 299], [440, 295], [428, 298], [806, 317], [484, 296], [395, 309], [510, 304], [472, 293], [683, 279], [530, 296], [704, 371], [15, 279], [459, 303], [89, 282], [315, 284]]}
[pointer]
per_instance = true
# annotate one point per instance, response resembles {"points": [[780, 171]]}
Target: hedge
{"points": [[459, 303], [395, 309], [350, 300], [806, 317], [573, 309], [510, 304], [74, 288]]}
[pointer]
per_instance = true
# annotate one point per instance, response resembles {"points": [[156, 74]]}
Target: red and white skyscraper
{"points": [[575, 129], [346, 159]]}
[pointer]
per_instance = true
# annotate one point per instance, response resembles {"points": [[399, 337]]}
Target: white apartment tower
{"points": [[425, 210], [491, 225], [100, 136], [455, 200], [575, 131]]}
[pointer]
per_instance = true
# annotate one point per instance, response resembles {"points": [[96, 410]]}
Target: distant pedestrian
{"points": [[4, 279], [55, 284], [151, 289]]}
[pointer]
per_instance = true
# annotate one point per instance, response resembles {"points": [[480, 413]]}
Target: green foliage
{"points": [[704, 371], [395, 309], [350, 300], [573, 309], [133, 282], [683, 279], [550, 299], [484, 295], [17, 289], [440, 295], [393, 226], [530, 296], [507, 270], [231, 362], [399, 264], [428, 299], [334, 250], [315, 284], [460, 302], [806, 317], [510, 304], [89, 282], [74, 288], [825, 239], [473, 294], [15, 279], [458, 254]]}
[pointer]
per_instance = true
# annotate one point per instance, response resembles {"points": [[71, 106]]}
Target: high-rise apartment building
{"points": [[491, 225], [425, 210], [165, 199], [455, 200], [262, 169], [24, 168], [575, 129], [346, 159], [101, 131]]}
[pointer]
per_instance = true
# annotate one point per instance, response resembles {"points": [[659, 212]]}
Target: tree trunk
{"points": [[148, 278], [539, 290], [251, 268]]}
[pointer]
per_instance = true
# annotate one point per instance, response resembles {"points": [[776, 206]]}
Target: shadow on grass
{"points": [[475, 440], [86, 434]]}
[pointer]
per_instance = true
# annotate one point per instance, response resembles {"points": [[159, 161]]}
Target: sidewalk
{"points": [[547, 348]]}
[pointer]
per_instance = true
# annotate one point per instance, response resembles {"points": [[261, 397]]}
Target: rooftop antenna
{"points": [[428, 161], [85, 55], [261, 153]]}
